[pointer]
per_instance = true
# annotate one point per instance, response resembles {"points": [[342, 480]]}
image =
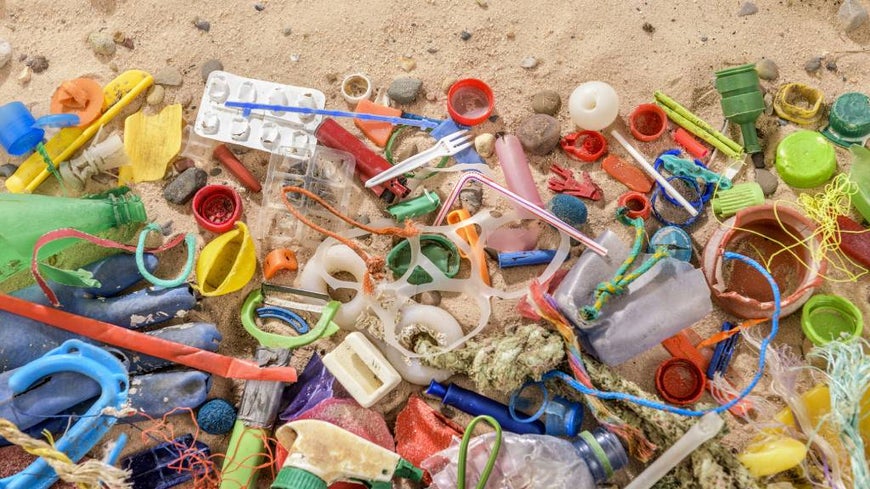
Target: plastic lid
{"points": [[216, 208], [805, 159], [17, 133], [849, 119], [293, 478], [826, 318], [726, 203], [680, 381], [585, 146], [438, 249], [602, 452], [470, 101], [647, 122], [82, 97]]}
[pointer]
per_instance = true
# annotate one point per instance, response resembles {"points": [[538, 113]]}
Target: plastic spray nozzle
{"points": [[321, 453], [742, 101], [100, 157]]}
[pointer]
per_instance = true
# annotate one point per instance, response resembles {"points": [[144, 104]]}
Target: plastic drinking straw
{"points": [[653, 173], [697, 126], [525, 204], [248, 107]]}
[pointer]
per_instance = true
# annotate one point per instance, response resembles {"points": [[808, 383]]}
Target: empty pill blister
{"points": [[266, 130]]}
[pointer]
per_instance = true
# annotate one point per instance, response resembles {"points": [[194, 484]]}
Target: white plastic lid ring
{"points": [[356, 87]]}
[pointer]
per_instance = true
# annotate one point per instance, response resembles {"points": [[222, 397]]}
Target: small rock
{"points": [[768, 103], [332, 77], [101, 43], [5, 52], [202, 24], [431, 96], [851, 15], [767, 180], [24, 76], [184, 98], [482, 3], [287, 31], [432, 50], [813, 64], [181, 190], [209, 66], [169, 77], [114, 66], [465, 35], [215, 171], [447, 83], [648, 28], [404, 90], [484, 144], [7, 170], [471, 198], [831, 66], [546, 102], [767, 69], [747, 8], [704, 38], [295, 57], [407, 63], [429, 298], [38, 64], [259, 7], [155, 95], [182, 164], [529, 62], [511, 35], [122, 39], [539, 134], [166, 229]]}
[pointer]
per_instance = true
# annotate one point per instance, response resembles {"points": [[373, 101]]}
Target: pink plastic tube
{"points": [[517, 173]]}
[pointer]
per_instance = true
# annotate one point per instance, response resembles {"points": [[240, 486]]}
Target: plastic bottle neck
{"points": [[602, 452]]}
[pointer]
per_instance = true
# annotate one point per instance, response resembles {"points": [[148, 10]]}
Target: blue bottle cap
{"points": [[20, 132]]}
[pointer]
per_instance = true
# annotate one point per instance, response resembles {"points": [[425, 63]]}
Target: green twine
{"points": [[622, 279], [463, 452]]}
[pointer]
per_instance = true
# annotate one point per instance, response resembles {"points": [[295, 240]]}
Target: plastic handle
{"points": [[57, 120]]}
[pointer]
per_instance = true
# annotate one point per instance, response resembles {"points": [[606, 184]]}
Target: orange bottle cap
{"points": [[82, 97]]}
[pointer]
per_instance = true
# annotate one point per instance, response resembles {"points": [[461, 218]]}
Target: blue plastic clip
{"points": [[294, 320], [94, 362], [723, 352], [167, 464]]}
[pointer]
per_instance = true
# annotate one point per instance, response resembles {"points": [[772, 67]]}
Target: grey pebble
{"points": [[767, 180], [529, 62], [546, 102], [432, 50], [101, 43], [155, 95], [215, 171], [37, 63], [7, 170], [259, 7], [465, 35], [404, 90], [471, 199], [168, 76], [181, 190], [851, 15], [202, 24], [747, 8], [831, 66], [767, 69], [287, 31], [813, 64], [5, 52], [704, 38], [429, 298], [539, 134], [209, 66], [166, 229]]}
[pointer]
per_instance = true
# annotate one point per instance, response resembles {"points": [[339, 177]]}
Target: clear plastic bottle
{"points": [[533, 461]]}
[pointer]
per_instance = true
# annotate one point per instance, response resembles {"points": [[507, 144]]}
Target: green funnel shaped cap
{"points": [[742, 101]]}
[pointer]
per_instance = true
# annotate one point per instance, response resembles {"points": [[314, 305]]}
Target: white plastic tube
{"points": [[702, 431], [653, 173]]}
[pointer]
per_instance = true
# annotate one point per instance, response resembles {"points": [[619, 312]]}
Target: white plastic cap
{"points": [[593, 105]]}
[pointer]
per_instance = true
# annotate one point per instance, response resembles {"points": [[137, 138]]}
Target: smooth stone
{"points": [[155, 95], [767, 180], [747, 8], [102, 43], [169, 77], [181, 190], [851, 15], [539, 134], [202, 24], [813, 64], [38, 64], [429, 298], [546, 102], [5, 52], [529, 62], [7, 170], [209, 66], [404, 90], [484, 144], [471, 199], [767, 69]]}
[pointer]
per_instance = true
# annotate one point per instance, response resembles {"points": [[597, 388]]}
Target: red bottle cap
{"points": [[638, 205], [680, 381], [585, 146], [216, 208], [470, 101], [647, 122]]}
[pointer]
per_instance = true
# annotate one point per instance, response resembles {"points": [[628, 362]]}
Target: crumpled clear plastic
{"points": [[524, 462]]}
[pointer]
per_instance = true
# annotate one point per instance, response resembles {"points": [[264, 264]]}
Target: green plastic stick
{"points": [[697, 126]]}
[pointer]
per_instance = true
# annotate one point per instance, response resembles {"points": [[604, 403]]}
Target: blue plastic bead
{"points": [[216, 417], [568, 208]]}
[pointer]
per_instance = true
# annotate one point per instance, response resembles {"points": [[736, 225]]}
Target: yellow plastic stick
{"points": [[118, 94]]}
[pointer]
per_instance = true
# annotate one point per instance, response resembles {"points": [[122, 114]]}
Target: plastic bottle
{"points": [[533, 461], [26, 217], [669, 297]]}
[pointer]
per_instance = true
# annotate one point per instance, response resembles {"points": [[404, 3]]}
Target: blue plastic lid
{"points": [[20, 132]]}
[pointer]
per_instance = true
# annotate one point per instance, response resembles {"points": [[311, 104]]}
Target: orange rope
{"points": [[374, 264], [724, 335]]}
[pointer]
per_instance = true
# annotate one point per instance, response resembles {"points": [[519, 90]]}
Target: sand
{"points": [[314, 44]]}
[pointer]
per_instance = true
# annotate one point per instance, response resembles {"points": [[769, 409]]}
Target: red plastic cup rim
{"points": [[587, 146], [470, 101], [638, 204], [216, 208], [647, 122], [680, 381]]}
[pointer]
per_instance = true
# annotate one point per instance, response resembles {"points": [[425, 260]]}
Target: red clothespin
{"points": [[565, 183]]}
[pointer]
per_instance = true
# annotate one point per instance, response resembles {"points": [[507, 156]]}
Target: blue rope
{"points": [[621, 396]]}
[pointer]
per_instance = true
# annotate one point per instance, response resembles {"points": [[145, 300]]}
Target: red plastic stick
{"points": [[206, 361], [690, 144], [229, 160]]}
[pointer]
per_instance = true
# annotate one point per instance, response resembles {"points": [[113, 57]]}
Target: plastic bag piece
{"points": [[524, 461], [422, 431]]}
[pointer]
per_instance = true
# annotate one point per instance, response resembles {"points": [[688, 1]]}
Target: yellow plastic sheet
{"points": [[150, 142]]}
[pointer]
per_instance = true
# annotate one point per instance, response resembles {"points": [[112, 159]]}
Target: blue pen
{"points": [[525, 258], [247, 107]]}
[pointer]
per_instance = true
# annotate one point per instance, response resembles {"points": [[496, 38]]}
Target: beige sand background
{"points": [[314, 44]]}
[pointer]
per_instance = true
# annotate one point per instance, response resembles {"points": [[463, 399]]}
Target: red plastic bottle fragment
{"points": [[690, 144], [585, 146], [234, 166], [628, 174], [854, 240]]}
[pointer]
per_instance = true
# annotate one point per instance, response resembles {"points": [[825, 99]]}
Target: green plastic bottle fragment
{"points": [[860, 175]]}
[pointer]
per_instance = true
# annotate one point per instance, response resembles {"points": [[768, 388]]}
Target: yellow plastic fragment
{"points": [[150, 142]]}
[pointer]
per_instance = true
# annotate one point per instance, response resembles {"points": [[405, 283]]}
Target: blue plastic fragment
{"points": [[562, 417], [676, 239], [449, 126], [723, 352], [294, 320], [163, 466], [508, 259]]}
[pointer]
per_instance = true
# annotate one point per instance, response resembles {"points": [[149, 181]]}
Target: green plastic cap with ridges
{"points": [[805, 159], [726, 203], [827, 318], [849, 120], [294, 478]]}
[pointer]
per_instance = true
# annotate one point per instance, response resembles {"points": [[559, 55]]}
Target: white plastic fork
{"points": [[449, 145]]}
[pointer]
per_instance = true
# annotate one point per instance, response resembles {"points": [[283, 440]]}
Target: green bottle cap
{"points": [[726, 203], [826, 318], [805, 159], [849, 120], [438, 249], [293, 478]]}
